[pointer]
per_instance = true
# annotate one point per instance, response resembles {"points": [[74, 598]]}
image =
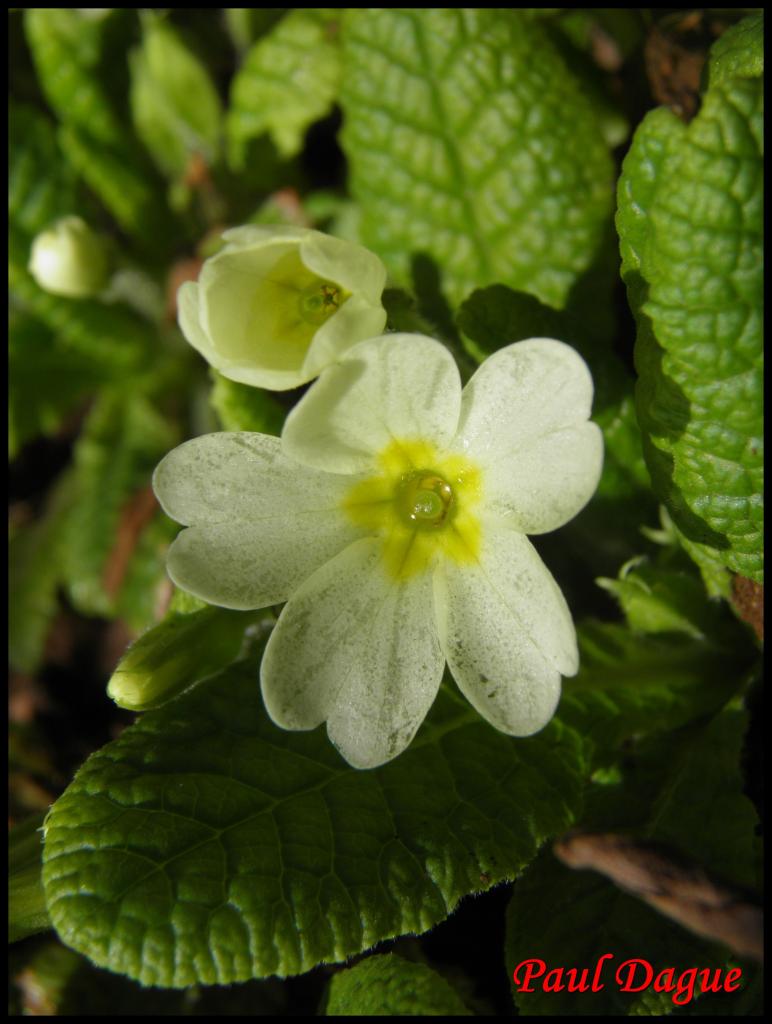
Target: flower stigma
{"points": [[422, 504], [319, 301], [426, 499]]}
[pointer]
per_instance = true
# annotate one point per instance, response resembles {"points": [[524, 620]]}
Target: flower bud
{"points": [[174, 655], [70, 259], [276, 305]]}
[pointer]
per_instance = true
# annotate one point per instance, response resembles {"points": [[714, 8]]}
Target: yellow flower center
{"points": [[422, 504], [319, 301]]}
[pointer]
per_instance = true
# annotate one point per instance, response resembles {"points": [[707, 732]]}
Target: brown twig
{"points": [[748, 600], [135, 516], [682, 892]]}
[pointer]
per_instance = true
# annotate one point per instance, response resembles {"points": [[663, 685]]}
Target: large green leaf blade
{"points": [[469, 142], [691, 232], [206, 845]]}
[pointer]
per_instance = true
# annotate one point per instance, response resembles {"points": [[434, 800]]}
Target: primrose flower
{"points": [[70, 259], [392, 518], [276, 305]]}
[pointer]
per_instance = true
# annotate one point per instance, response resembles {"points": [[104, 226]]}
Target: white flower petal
{"points": [[250, 235], [358, 650], [355, 268], [261, 523], [219, 478], [506, 631], [402, 386], [188, 312], [355, 321], [521, 392], [243, 310], [262, 377], [247, 565], [546, 482]]}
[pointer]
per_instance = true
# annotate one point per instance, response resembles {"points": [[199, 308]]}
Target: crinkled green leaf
{"points": [[48, 381], [685, 791], [690, 226], [739, 52], [631, 685], [174, 655], [122, 442], [35, 556], [241, 407], [471, 143], [288, 80], [27, 912], [205, 845], [388, 986], [40, 182], [175, 107], [66, 47]]}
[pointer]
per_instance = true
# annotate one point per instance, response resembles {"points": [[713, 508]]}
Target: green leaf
{"points": [[632, 685], [388, 986], [66, 47], [35, 556], [174, 655], [491, 318], [123, 183], [205, 845], [123, 440], [48, 381], [175, 107], [27, 912], [40, 182], [470, 143], [246, 24], [241, 407], [659, 600], [702, 811], [739, 52], [289, 79], [689, 221], [684, 791]]}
